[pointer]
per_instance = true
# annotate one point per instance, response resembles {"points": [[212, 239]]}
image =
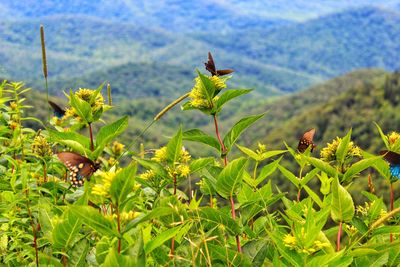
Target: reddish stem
{"points": [[172, 252], [391, 206], [34, 232], [298, 194], [338, 237], [44, 172], [91, 137], [223, 149], [174, 184], [119, 230], [239, 248]]}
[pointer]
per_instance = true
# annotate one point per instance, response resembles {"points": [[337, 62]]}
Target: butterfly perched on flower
{"points": [[394, 162], [79, 167], [58, 111], [306, 140], [210, 66]]}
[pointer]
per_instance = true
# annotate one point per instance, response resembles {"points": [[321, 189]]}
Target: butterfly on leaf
{"points": [[306, 140], [210, 66], [394, 162], [80, 167], [58, 111]]}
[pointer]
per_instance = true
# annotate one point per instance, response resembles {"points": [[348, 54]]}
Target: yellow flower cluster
{"points": [[41, 147], [117, 148], [85, 95], [363, 210], [103, 188], [160, 155], [124, 216], [147, 175], [198, 93], [291, 242], [393, 137], [262, 148], [328, 153]]}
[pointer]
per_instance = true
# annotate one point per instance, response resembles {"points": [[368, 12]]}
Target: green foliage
{"points": [[150, 212]]}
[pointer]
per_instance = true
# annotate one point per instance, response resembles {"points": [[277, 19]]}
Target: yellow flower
{"points": [[329, 152], [103, 188], [40, 147], [185, 156], [218, 82], [392, 137], [149, 174], [183, 170], [128, 216], [117, 148], [160, 155], [261, 148], [13, 105], [289, 241]]}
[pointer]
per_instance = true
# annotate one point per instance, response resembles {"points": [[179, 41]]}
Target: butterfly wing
{"points": [[58, 111], [394, 162], [306, 140], [224, 72], [79, 166], [210, 65]]}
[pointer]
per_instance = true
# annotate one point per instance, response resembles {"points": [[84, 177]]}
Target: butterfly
{"points": [[306, 140], [394, 162], [79, 167], [210, 66], [57, 110]]}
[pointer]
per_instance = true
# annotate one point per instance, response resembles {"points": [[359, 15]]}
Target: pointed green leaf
{"points": [[237, 129], [122, 184], [359, 167], [109, 132], [78, 253], [92, 218], [174, 147], [249, 153], [343, 147], [217, 217], [207, 86], [82, 108], [229, 95], [383, 136], [66, 230], [161, 239], [197, 135], [342, 207], [322, 165], [291, 177], [198, 164], [230, 179]]}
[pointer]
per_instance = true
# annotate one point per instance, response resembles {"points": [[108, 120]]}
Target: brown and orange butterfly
{"points": [[306, 140], [210, 66], [80, 167]]}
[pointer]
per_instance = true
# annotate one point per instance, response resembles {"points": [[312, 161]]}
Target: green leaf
{"points": [[153, 214], [383, 136], [161, 239], [313, 196], [249, 153], [174, 147], [217, 217], [114, 259], [230, 178], [152, 165], [66, 230], [229, 95], [109, 132], [228, 256], [342, 207], [102, 249], [322, 165], [359, 167], [237, 129], [82, 108], [256, 251], [96, 93], [207, 86], [308, 177], [92, 218], [343, 148], [78, 253], [199, 136], [386, 230], [73, 136], [198, 164], [122, 184], [291, 177]]}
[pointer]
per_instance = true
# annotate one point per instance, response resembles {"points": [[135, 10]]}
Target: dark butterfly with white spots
{"points": [[210, 66], [79, 167], [58, 111], [394, 162], [306, 140]]}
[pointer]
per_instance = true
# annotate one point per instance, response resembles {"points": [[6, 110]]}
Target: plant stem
{"points": [[91, 137], [223, 149], [300, 177], [239, 248], [33, 227], [173, 239], [119, 229], [339, 236], [391, 206], [174, 179]]}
